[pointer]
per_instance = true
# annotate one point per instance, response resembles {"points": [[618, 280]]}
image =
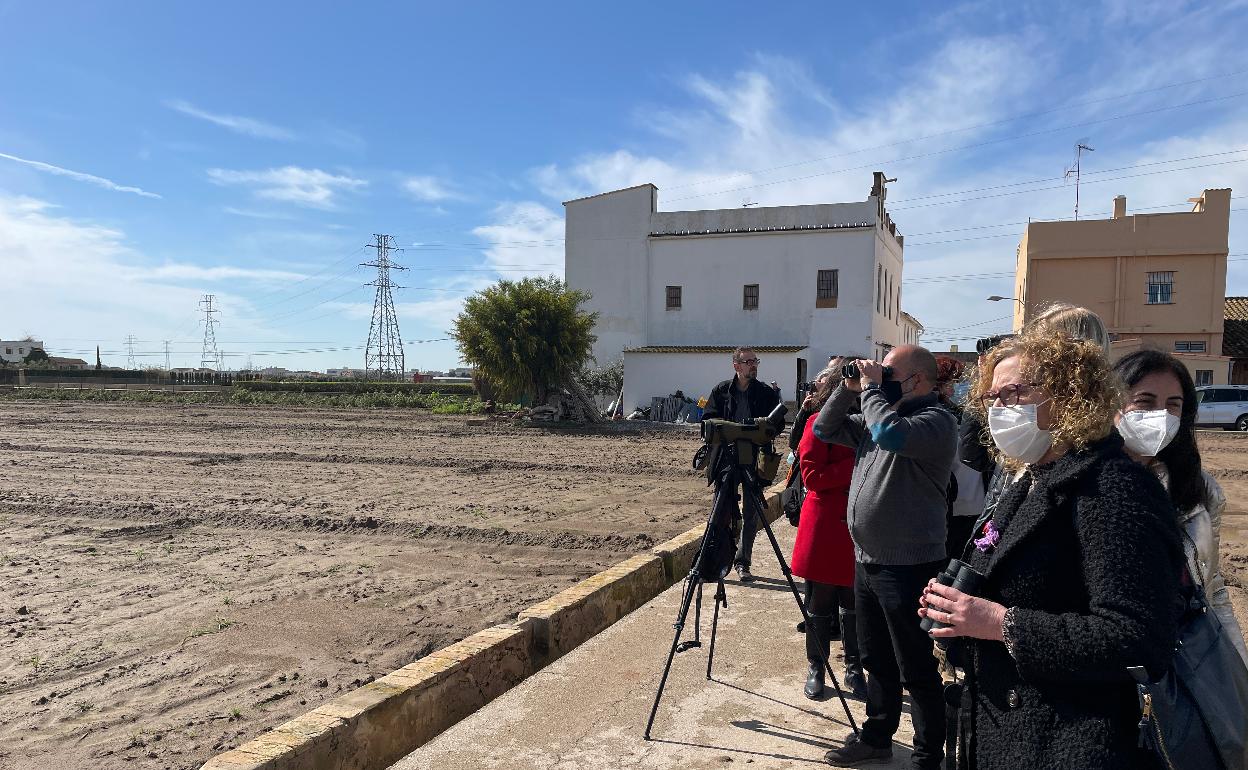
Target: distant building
{"points": [[675, 291], [1157, 280], [346, 373], [1235, 338], [461, 371], [14, 351], [56, 362], [911, 329]]}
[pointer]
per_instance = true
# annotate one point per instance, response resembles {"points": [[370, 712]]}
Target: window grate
{"points": [[673, 298], [1161, 288], [750, 297], [827, 288]]}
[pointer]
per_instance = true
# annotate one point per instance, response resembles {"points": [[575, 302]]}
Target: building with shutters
{"points": [[676, 291]]}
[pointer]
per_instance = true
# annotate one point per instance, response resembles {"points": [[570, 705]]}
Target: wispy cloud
{"points": [[526, 239], [186, 272], [237, 123], [430, 189], [304, 186], [80, 176], [256, 214]]}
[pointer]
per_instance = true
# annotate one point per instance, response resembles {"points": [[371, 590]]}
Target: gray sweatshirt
{"points": [[897, 496]]}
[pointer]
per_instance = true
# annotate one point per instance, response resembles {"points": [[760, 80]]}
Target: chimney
{"points": [[1120, 206], [953, 348]]}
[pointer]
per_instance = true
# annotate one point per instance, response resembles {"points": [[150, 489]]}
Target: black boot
{"points": [[855, 680], [818, 648]]}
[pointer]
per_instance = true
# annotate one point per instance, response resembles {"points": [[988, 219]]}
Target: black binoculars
{"points": [[961, 576], [850, 372]]}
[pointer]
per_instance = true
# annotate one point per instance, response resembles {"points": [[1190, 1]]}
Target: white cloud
{"points": [[304, 186], [526, 239], [430, 189], [98, 181], [236, 123], [220, 273], [256, 214]]}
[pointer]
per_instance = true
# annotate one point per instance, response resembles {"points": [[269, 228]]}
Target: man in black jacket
{"points": [[741, 399]]}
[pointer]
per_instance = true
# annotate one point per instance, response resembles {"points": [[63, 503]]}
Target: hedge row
{"points": [[443, 388], [438, 403]]}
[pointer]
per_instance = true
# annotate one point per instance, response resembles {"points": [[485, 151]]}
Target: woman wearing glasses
{"points": [[1157, 425], [1081, 561]]}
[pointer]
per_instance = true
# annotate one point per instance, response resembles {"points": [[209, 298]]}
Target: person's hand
{"points": [[810, 401], [871, 373], [966, 615]]}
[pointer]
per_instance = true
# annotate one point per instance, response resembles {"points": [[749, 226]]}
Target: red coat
{"points": [[824, 551]]}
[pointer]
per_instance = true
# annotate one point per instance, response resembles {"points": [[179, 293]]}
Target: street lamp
{"points": [[996, 298]]}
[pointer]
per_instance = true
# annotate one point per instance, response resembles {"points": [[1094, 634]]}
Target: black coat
{"points": [[722, 401], [1090, 555]]}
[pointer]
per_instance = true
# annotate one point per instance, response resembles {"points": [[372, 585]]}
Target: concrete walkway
{"points": [[589, 709]]}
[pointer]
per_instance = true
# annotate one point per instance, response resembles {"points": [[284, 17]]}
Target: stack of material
{"points": [[668, 408], [571, 403]]}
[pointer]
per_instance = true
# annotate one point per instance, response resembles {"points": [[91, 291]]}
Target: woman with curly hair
{"points": [[1081, 562], [1158, 425]]}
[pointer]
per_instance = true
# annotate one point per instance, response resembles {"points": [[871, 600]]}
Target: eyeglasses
{"points": [[1008, 394], [751, 361]]}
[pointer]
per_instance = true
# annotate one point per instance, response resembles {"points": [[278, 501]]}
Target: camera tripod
{"points": [[728, 474]]}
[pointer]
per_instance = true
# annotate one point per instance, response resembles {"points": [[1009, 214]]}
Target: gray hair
{"points": [[1077, 322]]}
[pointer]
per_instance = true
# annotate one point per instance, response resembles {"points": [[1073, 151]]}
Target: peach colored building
{"points": [[1157, 280]]}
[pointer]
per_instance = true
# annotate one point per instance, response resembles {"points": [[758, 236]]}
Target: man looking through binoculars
{"points": [[904, 443], [741, 399]]}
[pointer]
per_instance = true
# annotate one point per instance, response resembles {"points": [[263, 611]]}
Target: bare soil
{"points": [[175, 580]]}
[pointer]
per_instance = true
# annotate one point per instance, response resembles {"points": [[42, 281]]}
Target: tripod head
{"points": [[758, 432]]}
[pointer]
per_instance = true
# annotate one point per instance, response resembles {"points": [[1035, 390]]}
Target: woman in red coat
{"points": [[824, 553]]}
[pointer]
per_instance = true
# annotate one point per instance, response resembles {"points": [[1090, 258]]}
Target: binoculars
{"points": [[850, 372], [961, 576]]}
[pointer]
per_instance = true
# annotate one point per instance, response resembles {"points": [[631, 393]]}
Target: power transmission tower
{"points": [[210, 358], [1080, 148], [383, 355], [130, 364], [166, 355]]}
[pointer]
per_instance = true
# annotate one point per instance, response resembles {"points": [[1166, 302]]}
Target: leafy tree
{"points": [[35, 355], [526, 337], [604, 380]]}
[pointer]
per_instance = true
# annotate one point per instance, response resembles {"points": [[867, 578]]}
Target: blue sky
{"points": [[153, 152]]}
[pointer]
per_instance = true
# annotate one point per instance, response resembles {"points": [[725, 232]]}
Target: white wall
{"points": [[20, 349], [605, 253], [660, 374]]}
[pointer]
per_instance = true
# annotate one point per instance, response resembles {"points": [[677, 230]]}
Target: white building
{"points": [[676, 291], [13, 351]]}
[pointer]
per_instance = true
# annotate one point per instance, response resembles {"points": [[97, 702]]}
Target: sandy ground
{"points": [[174, 580]]}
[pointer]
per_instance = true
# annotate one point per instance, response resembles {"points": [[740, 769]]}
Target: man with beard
{"points": [[741, 399]]}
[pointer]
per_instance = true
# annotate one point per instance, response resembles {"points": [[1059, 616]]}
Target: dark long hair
{"points": [[1182, 458]]}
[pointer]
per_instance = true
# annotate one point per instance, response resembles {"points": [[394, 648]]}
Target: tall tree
{"points": [[526, 337], [98, 365]]}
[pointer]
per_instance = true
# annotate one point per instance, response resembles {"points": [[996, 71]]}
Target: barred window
{"points": [[1189, 346], [673, 298], [1161, 288], [827, 288], [750, 299]]}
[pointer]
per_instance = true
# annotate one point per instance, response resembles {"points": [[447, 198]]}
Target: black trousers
{"points": [[749, 529], [896, 653]]}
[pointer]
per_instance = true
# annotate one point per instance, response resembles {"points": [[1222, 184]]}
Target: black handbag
{"points": [[1196, 714], [792, 497]]}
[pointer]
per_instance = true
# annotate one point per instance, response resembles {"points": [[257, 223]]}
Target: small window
{"points": [[1191, 346], [750, 298], [673, 298], [1205, 377], [8, 351], [1160, 288], [827, 288], [879, 283]]}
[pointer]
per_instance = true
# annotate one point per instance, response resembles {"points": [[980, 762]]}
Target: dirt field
{"points": [[175, 580]]}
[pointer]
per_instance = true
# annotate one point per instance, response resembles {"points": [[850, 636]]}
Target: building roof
{"points": [[714, 349], [610, 192], [907, 317], [1235, 327]]}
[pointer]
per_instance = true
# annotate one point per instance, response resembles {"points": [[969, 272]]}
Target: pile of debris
{"points": [[569, 403]]}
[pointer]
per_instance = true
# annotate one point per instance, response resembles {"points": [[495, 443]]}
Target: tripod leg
{"points": [[754, 505], [721, 597], [692, 582], [696, 641]]}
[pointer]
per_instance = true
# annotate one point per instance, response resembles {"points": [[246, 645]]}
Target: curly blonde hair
{"points": [[1078, 322], [1084, 390]]}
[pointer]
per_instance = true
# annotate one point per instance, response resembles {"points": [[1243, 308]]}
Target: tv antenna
{"points": [[1080, 148]]}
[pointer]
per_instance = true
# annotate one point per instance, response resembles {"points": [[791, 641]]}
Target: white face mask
{"points": [[1016, 434], [1147, 433]]}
